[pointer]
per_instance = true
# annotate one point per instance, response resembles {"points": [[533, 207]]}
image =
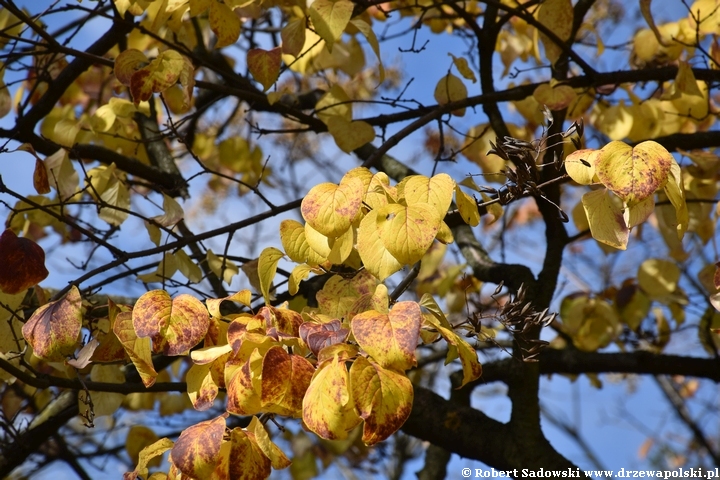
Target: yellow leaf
{"points": [[633, 173], [248, 460], [639, 212], [462, 65], [104, 403], [5, 100], [127, 63], [197, 450], [555, 98], [61, 174], [408, 232], [369, 34], [224, 23], [201, 387], [685, 81], [299, 273], [350, 135], [383, 397], [139, 437], [658, 278], [277, 458], [330, 19], [292, 235], [616, 121], [605, 218], [330, 208], [285, 379], [376, 258], [436, 191], [222, 267], [293, 36], [557, 16], [467, 206], [451, 89], [244, 385], [138, 349], [148, 454], [267, 266], [328, 407], [580, 165], [187, 267], [173, 212], [391, 338], [676, 194], [458, 348], [264, 65]]}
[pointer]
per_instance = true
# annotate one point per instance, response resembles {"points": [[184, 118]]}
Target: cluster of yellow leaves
{"points": [[633, 175]]}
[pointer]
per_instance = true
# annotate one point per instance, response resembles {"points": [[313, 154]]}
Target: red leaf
{"points": [[23, 263]]}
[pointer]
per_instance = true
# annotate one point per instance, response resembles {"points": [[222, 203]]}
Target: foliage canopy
{"points": [[175, 143]]}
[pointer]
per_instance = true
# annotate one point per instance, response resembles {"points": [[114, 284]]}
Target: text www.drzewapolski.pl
{"points": [[577, 473]]}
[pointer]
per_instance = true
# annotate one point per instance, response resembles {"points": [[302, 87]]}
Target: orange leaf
{"points": [[53, 330], [285, 379], [23, 263], [264, 65]]}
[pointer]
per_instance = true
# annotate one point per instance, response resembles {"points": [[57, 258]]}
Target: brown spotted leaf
{"points": [[197, 449], [174, 325], [249, 461], [383, 398], [320, 335], [53, 331], [328, 409], [390, 339], [244, 387], [633, 173], [40, 178], [285, 379], [22, 261], [202, 387]]}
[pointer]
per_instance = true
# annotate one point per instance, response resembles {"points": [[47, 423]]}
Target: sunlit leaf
{"points": [[408, 232], [633, 173], [267, 266], [391, 338], [330, 19], [224, 23], [605, 219], [330, 208]]}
